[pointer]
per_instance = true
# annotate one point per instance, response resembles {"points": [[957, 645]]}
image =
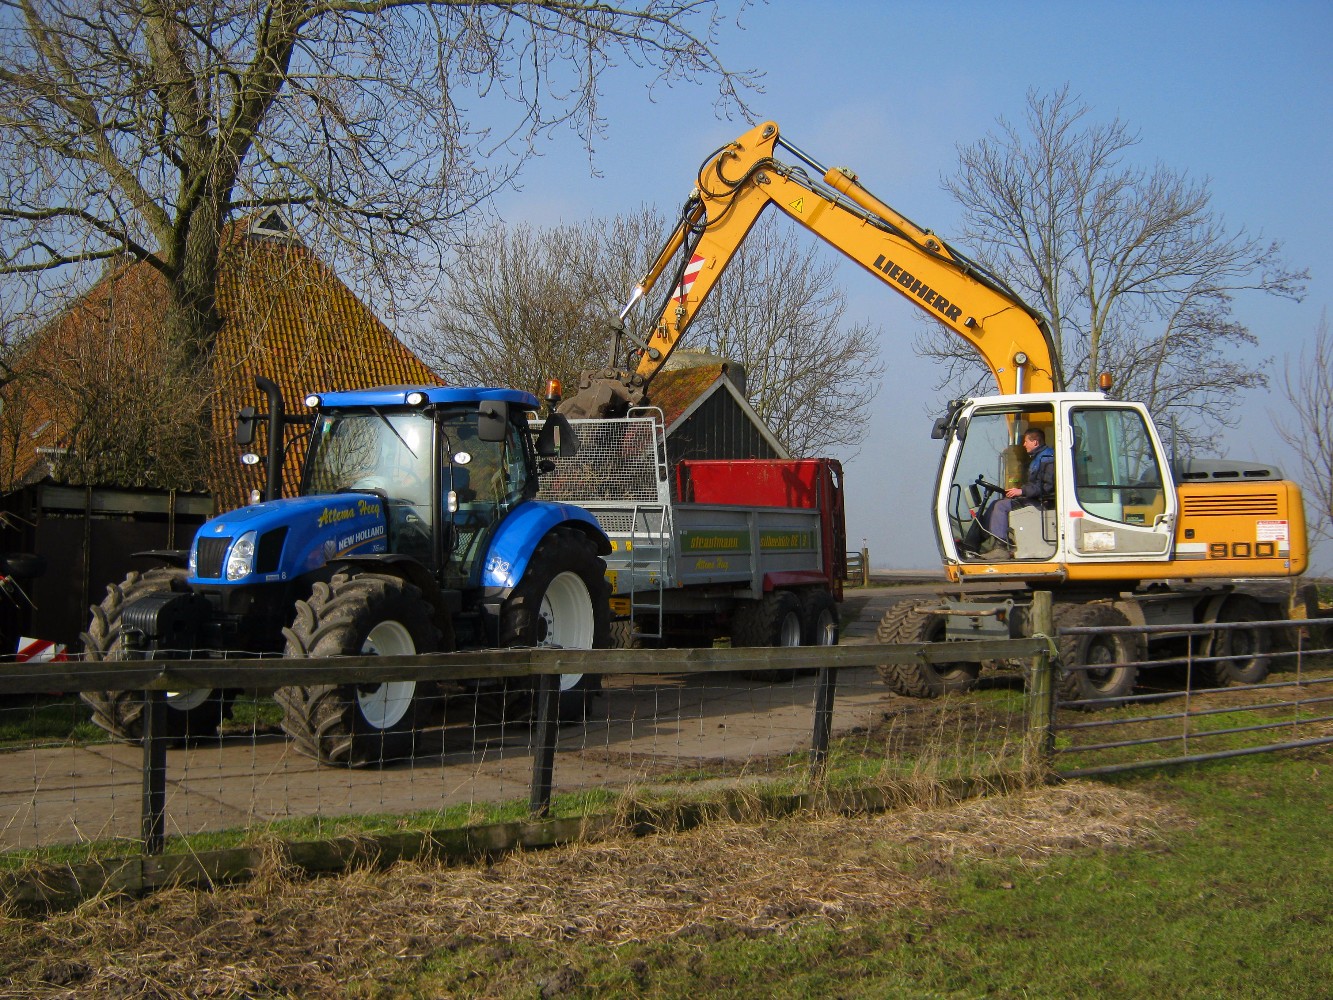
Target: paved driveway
{"points": [[646, 727]]}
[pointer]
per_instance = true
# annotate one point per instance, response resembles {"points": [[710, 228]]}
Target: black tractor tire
{"points": [[563, 601], [623, 636], [1251, 646], [774, 620], [1102, 686], [350, 725], [819, 618], [192, 716], [910, 622]]}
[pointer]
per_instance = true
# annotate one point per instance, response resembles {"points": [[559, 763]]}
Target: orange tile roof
{"points": [[285, 315]]}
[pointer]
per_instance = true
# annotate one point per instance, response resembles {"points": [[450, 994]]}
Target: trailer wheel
{"points": [[774, 620], [909, 622], [1102, 685], [355, 614], [191, 715], [563, 601], [819, 618], [1250, 646]]}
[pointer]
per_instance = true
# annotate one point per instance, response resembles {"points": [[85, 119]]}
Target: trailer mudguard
{"points": [[518, 535]]}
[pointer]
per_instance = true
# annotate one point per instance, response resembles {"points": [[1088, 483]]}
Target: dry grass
{"points": [[336, 937]]}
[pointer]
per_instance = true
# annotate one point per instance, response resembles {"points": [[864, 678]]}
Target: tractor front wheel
{"points": [[359, 613]]}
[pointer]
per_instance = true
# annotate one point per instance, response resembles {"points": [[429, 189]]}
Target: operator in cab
{"points": [[1037, 491]]}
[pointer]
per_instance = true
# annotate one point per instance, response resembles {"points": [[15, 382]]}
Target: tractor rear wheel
{"points": [[191, 715], [909, 622], [360, 613], [562, 602]]}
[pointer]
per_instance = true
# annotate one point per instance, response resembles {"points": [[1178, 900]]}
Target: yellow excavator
{"points": [[1126, 537]]}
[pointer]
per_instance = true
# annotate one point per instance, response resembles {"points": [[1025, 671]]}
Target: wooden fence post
{"points": [[543, 751], [1041, 687], [153, 809]]}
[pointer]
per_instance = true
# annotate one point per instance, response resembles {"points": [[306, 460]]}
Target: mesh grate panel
{"points": [[616, 462]]}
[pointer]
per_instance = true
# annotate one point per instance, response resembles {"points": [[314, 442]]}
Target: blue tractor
{"points": [[417, 529]]}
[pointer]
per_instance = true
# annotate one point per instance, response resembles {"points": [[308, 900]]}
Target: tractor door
{"points": [[482, 480]]}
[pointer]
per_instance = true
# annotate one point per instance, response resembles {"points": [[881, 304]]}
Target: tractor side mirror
{"points": [[245, 425], [493, 420], [557, 437]]}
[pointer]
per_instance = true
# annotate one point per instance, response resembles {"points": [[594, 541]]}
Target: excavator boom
{"points": [[734, 187]]}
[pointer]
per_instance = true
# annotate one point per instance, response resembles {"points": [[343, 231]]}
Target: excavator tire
{"points": [[1250, 646], [359, 725], [1100, 686], [191, 716], [909, 622]]}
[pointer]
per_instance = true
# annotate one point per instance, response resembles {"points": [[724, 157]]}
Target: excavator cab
{"points": [[1113, 498]]}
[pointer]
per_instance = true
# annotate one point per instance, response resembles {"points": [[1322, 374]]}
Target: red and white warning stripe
{"points": [[39, 651], [692, 270]]}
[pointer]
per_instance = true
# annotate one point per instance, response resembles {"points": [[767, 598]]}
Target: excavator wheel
{"points": [[909, 622], [1103, 684], [1249, 646]]}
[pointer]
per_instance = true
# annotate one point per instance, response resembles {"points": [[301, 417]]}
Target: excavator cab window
{"points": [[1117, 471]]}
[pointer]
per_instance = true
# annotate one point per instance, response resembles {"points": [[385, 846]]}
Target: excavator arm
{"points": [[743, 179]]}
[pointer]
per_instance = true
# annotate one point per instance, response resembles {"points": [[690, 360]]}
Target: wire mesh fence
{"points": [[668, 723], [63, 781]]}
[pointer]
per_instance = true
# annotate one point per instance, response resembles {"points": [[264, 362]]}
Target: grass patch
{"points": [[1202, 882], [1227, 898], [38, 720]]}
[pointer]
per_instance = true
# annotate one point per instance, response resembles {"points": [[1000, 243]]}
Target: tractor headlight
{"points": [[194, 560], [241, 560]]}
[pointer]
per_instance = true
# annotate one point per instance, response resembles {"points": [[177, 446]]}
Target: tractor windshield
{"points": [[374, 450]]}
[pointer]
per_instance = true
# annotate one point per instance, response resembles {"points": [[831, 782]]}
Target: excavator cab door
{"points": [[1122, 505]]}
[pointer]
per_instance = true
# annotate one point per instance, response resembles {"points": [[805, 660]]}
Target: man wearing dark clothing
{"points": [[1038, 491]]}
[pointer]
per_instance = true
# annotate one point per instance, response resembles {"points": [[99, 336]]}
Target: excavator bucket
{"points": [[602, 396]]}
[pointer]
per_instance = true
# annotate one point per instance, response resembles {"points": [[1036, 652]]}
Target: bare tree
{"points": [[1132, 267], [1308, 427], [112, 399], [533, 304], [779, 310], [141, 129], [529, 304]]}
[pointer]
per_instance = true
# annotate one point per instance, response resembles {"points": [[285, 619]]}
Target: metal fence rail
{"points": [[1297, 694]]}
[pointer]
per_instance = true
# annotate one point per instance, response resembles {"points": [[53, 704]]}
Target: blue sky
{"points": [[1235, 93]]}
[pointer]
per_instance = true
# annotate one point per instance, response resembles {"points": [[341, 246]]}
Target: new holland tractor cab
{"points": [[417, 529]]}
